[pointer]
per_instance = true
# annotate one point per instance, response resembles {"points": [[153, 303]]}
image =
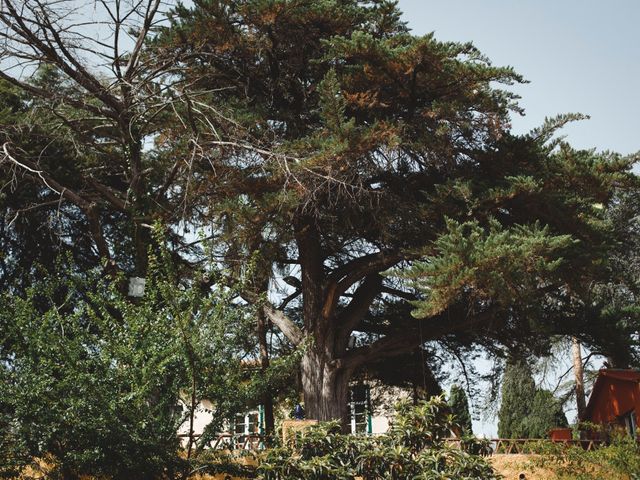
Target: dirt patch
{"points": [[512, 465]]}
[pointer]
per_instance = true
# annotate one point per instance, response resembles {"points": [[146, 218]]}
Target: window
{"points": [[245, 424], [239, 424], [360, 408]]}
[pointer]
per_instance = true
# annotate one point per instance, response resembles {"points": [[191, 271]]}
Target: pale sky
{"points": [[580, 56]]}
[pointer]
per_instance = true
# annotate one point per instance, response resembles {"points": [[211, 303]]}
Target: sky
{"points": [[580, 56]]}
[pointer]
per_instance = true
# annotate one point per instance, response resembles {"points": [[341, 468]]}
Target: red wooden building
{"points": [[615, 400]]}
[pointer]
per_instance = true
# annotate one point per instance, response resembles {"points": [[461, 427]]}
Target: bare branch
{"points": [[405, 340], [152, 8], [285, 324], [353, 271], [45, 178], [349, 318]]}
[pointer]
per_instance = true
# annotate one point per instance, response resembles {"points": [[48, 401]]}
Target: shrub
{"points": [[619, 459], [414, 448], [92, 381]]}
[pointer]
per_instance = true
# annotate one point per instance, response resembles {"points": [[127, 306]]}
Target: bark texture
{"points": [[325, 388], [578, 373]]}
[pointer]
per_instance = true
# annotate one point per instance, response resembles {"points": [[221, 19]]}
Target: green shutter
{"points": [[369, 425]]}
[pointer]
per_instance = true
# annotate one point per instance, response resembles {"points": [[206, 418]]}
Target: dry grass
{"points": [[220, 476], [42, 469], [512, 465]]}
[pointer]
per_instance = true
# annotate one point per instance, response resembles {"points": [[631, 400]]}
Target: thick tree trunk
{"points": [[325, 389], [325, 386], [578, 373]]}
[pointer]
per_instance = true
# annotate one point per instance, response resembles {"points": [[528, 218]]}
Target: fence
{"points": [[231, 441], [252, 442], [528, 445]]}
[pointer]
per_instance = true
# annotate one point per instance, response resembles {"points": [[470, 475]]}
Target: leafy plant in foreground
{"points": [[98, 383], [619, 459], [416, 447]]}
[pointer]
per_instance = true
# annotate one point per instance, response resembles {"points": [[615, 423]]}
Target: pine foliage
{"points": [[459, 404], [518, 391], [526, 411], [337, 144], [497, 264], [348, 128]]}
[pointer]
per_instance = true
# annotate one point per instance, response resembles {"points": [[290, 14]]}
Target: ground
{"points": [[511, 466]]}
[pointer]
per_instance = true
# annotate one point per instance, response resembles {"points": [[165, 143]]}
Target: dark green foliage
{"points": [[518, 390], [359, 147], [32, 218], [339, 145], [525, 411], [93, 381], [615, 302], [353, 141], [346, 146], [414, 448], [460, 408], [546, 413], [618, 460]]}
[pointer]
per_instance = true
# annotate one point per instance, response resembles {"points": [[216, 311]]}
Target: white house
{"points": [[370, 407]]}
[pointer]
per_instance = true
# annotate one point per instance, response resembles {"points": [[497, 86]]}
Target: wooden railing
{"points": [[231, 441], [253, 441], [528, 445]]}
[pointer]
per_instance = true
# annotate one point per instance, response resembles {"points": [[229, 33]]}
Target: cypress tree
{"points": [[460, 408], [546, 413], [518, 391], [525, 411]]}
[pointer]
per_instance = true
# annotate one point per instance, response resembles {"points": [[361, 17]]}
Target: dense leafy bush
{"points": [[619, 459], [98, 383], [414, 448]]}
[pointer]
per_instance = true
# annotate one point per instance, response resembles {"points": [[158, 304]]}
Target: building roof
{"points": [[604, 376]]}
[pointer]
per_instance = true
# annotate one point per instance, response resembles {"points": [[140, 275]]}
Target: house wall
{"points": [[383, 400], [615, 398], [203, 417], [379, 424]]}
